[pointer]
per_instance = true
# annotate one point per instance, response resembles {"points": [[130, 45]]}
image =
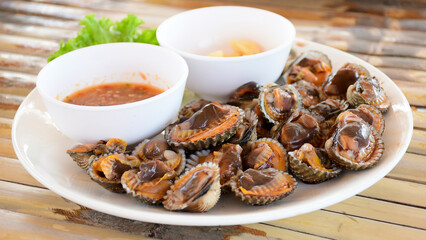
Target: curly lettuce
{"points": [[104, 30]]}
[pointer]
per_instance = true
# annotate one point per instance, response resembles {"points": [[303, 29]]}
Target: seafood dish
{"points": [[257, 146]]}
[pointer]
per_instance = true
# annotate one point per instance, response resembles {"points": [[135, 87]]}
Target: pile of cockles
{"points": [[256, 145]]}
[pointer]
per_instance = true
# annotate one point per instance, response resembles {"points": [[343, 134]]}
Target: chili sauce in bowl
{"points": [[109, 94], [116, 76]]}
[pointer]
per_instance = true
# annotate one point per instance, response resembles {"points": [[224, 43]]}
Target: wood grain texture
{"points": [[5, 127], [340, 226], [21, 63], [419, 118], [411, 168], [398, 191], [13, 171], [49, 206], [390, 35], [16, 83]]}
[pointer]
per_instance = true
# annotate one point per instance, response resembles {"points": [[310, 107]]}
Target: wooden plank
{"points": [[53, 19], [5, 127], [274, 232], [412, 167], [16, 83], [393, 190], [6, 148], [362, 32], [140, 8], [48, 206], [414, 92], [27, 45], [395, 62], [405, 74], [37, 20], [9, 104], [21, 63], [340, 226], [379, 210], [48, 33], [13, 171], [41, 9], [374, 48], [418, 142], [419, 118], [25, 227]]}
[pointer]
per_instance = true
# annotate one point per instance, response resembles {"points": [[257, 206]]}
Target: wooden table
{"points": [[391, 35]]}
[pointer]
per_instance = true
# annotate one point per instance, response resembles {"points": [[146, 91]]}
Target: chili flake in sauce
{"points": [[112, 94]]}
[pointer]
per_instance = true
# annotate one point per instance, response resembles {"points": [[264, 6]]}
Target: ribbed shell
{"points": [[189, 109], [262, 195], [311, 54], [309, 174], [178, 166], [346, 163], [355, 97], [111, 185], [146, 192], [269, 112], [277, 153], [209, 141], [205, 200], [83, 155], [378, 120]]}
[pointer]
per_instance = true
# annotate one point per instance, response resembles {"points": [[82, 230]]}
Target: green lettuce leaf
{"points": [[105, 30]]}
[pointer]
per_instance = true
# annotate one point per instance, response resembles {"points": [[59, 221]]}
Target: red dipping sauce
{"points": [[112, 94]]}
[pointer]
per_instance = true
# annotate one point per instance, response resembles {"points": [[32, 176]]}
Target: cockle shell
{"points": [[197, 190], [261, 187]]}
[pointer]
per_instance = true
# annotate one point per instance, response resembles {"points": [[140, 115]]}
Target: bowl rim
{"points": [[288, 42], [173, 88]]}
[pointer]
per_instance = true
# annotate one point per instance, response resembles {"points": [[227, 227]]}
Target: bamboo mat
{"points": [[390, 35]]}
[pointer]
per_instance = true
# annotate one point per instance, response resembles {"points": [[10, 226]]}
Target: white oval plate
{"points": [[41, 148]]}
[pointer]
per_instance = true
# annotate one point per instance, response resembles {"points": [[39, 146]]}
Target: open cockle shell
{"points": [[337, 84], [371, 115], [228, 158], [366, 157], [302, 127], [261, 187], [150, 183], [277, 102], [116, 145], [318, 168], [83, 154], [310, 93], [189, 109], [367, 90], [266, 153], [213, 124], [245, 96], [107, 170], [159, 149], [311, 66], [197, 190], [329, 108]]}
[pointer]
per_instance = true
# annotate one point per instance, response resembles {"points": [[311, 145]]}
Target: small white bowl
{"points": [[196, 33], [106, 63]]}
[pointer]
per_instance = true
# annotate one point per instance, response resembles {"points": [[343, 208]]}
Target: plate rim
{"points": [[213, 220]]}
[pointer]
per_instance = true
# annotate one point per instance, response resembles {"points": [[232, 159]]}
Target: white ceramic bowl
{"points": [[114, 62], [196, 33]]}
